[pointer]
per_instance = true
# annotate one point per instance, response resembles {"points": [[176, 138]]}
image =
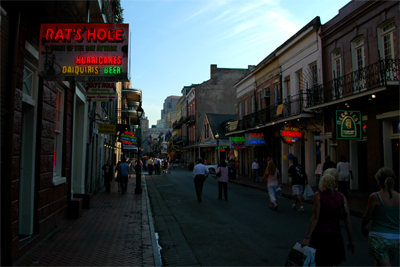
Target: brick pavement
{"points": [[116, 231]]}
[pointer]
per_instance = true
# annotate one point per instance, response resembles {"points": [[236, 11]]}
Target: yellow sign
{"points": [[279, 110], [107, 128], [233, 125]]}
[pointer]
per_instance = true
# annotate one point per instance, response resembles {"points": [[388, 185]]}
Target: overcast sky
{"points": [[173, 42]]}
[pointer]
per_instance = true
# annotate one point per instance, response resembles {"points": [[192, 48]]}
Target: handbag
{"points": [[308, 192], [301, 256]]}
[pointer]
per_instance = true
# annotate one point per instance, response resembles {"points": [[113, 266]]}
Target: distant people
{"points": [[124, 171], [255, 167], [108, 174], [328, 164], [205, 162], [345, 173], [165, 166], [298, 178], [117, 179], [150, 164], [324, 230], [272, 173], [237, 167], [222, 179], [200, 173], [157, 166], [383, 211]]}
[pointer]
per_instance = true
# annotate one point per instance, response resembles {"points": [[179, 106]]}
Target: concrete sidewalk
{"points": [[357, 201], [116, 231]]}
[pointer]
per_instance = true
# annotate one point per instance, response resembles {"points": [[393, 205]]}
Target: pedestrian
{"points": [[255, 167], [328, 164], [108, 172], [205, 162], [298, 178], [157, 165], [272, 173], [165, 166], [383, 211], [222, 178], [345, 173], [150, 164], [324, 229], [200, 173], [117, 179], [132, 165], [124, 171]]}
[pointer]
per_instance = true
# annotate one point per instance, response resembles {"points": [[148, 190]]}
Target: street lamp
{"points": [[139, 113], [216, 137]]}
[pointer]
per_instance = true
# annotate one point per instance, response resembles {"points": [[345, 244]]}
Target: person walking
{"points": [[324, 230], [345, 173], [222, 178], [200, 173], [383, 211], [124, 171], [165, 166], [328, 163], [150, 164], [118, 179], [255, 167], [272, 173], [108, 172], [298, 178], [157, 165]]}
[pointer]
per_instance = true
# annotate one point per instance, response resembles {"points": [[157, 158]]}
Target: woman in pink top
{"points": [[222, 180], [273, 182]]}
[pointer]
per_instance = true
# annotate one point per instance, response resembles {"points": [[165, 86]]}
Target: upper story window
{"points": [[253, 104], [358, 53], [299, 77], [278, 93], [259, 101], [336, 64], [314, 73], [287, 86], [240, 110], [246, 111], [388, 39]]}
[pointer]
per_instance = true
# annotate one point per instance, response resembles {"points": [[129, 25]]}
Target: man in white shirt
{"points": [[255, 167], [200, 173]]}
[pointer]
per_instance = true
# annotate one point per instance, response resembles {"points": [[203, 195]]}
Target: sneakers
{"points": [[301, 209]]}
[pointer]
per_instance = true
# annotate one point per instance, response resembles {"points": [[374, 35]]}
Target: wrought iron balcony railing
{"points": [[385, 72], [191, 119]]}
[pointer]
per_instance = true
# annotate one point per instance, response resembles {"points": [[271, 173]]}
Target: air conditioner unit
{"points": [[265, 93]]}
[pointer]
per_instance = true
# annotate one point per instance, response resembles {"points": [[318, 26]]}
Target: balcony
{"points": [[190, 120], [384, 73], [291, 106]]}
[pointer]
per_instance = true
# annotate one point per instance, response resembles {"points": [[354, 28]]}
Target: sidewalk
{"points": [[116, 231], [357, 201]]}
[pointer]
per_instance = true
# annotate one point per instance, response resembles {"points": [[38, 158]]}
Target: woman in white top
{"points": [[273, 182], [222, 178], [345, 173]]}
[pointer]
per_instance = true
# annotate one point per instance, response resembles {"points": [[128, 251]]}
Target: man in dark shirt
{"points": [[328, 164], [298, 177], [108, 174]]}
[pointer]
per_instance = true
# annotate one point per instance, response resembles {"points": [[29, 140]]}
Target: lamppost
{"points": [[216, 137], [139, 113]]}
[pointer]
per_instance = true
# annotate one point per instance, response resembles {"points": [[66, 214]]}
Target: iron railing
{"points": [[385, 72]]}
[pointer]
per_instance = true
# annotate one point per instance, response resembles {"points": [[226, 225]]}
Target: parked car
{"points": [[212, 168]]}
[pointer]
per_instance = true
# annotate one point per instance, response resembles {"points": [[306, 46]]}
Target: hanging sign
{"points": [[290, 134], [238, 142], [128, 138], [348, 124], [255, 139], [107, 129], [84, 52], [100, 91]]}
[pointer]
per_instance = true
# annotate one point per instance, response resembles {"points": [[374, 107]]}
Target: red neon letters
{"points": [[291, 134], [98, 60], [95, 35]]}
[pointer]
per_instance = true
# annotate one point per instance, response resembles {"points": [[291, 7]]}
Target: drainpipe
{"points": [[8, 144]]}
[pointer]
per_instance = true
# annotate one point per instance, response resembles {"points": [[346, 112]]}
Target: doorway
{"points": [[362, 167]]}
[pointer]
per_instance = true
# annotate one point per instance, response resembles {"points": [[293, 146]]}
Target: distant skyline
{"points": [[174, 42]]}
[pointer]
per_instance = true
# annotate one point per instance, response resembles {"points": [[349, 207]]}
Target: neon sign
{"points": [[254, 139], [290, 134], [128, 138], [84, 52], [348, 124], [238, 142]]}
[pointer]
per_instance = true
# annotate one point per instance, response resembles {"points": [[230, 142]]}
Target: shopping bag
{"points": [[301, 256], [308, 192]]}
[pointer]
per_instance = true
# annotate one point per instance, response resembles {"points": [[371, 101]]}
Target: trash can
{"points": [[191, 166]]}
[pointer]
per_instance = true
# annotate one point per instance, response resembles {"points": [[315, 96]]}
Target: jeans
{"points": [[255, 175], [223, 186], [124, 183], [272, 191], [198, 185]]}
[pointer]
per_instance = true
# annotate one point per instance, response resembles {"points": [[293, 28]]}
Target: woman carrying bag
{"points": [[272, 173], [222, 178]]}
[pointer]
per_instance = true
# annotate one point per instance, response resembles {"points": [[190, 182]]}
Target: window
{"points": [[314, 74], [287, 86], [299, 75], [278, 94], [336, 74], [259, 101], [246, 111], [388, 39], [58, 138], [358, 61], [240, 110], [253, 104]]}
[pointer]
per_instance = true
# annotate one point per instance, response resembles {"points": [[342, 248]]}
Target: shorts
{"points": [[297, 189], [382, 248]]}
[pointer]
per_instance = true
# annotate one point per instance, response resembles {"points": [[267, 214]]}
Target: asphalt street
{"points": [[242, 231]]}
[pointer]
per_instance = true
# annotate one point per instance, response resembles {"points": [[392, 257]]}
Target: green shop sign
{"points": [[348, 124]]}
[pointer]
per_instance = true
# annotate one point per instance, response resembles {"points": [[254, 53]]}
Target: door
{"points": [[362, 167]]}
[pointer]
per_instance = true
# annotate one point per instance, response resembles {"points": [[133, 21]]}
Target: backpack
{"points": [[300, 172]]}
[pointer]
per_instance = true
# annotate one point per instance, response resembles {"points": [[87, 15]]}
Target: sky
{"points": [[174, 42]]}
